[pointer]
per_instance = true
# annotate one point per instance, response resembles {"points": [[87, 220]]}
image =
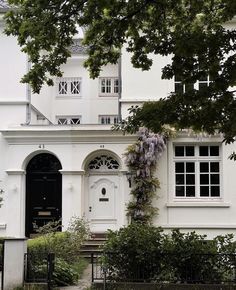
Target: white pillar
{"points": [[72, 188], [13, 269]]}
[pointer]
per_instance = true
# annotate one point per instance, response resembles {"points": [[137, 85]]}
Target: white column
{"points": [[72, 190], [15, 203]]}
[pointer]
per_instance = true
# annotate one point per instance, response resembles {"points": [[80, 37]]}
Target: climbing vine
{"points": [[141, 159]]}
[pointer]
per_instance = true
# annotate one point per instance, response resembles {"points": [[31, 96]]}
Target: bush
{"points": [[65, 246], [143, 252]]}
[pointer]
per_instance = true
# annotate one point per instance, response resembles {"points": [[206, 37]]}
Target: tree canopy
{"points": [[191, 32]]}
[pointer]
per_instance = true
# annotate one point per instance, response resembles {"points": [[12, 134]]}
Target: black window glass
{"points": [[190, 179], [179, 190], [179, 167], [179, 150], [215, 191], [204, 179], [189, 87], [214, 150], [204, 190], [204, 167], [189, 150], [215, 179], [179, 88], [203, 150], [190, 191], [179, 178], [190, 167], [215, 167]]}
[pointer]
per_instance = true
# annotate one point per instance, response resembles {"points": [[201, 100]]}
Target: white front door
{"points": [[103, 190]]}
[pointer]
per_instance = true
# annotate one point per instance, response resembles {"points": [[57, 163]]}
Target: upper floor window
{"points": [[69, 86], [108, 86], [108, 119], [68, 120], [197, 171], [181, 87]]}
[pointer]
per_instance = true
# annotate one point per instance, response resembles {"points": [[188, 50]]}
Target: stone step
{"points": [[93, 245]]}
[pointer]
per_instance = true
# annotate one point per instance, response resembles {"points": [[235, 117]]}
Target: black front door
{"points": [[43, 192]]}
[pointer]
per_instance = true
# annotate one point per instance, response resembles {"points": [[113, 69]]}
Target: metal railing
{"points": [[39, 269], [165, 268]]}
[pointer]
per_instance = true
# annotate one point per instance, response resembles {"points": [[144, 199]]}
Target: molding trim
{"points": [[198, 204], [72, 172], [15, 171], [194, 226], [13, 102]]}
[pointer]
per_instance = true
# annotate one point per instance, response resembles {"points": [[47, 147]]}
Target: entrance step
{"points": [[93, 245]]}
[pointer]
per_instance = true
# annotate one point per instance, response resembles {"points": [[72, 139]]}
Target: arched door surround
{"points": [[43, 192]]}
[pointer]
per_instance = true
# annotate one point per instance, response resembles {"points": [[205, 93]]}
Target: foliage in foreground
{"points": [[192, 34], [142, 252], [65, 246]]}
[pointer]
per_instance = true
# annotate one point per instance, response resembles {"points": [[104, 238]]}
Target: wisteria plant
{"points": [[141, 158]]}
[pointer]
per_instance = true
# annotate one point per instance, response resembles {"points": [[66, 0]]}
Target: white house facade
{"points": [[60, 158]]}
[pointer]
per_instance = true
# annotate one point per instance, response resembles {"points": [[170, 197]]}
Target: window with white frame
{"points": [[108, 119], [69, 87], [109, 86], [197, 171], [181, 87], [68, 120]]}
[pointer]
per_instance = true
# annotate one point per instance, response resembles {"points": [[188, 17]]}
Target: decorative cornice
{"points": [[77, 47], [97, 134], [15, 171], [72, 172]]}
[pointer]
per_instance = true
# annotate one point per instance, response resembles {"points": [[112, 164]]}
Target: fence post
{"points": [[92, 262], [105, 278], [51, 261]]}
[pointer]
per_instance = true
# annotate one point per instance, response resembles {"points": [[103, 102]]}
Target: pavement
{"points": [[84, 283]]}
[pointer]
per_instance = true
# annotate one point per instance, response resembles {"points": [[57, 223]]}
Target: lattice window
{"points": [[69, 86], [103, 163], [108, 119], [69, 120]]}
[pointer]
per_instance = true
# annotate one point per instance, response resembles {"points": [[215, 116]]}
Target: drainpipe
{"points": [[120, 88], [28, 95]]}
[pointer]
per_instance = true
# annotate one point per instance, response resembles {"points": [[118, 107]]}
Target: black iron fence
{"points": [[165, 268], [39, 268]]}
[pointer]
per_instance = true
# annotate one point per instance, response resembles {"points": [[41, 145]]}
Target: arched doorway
{"points": [[43, 192], [103, 193]]}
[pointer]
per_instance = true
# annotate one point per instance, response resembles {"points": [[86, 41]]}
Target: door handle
{"points": [[90, 209]]}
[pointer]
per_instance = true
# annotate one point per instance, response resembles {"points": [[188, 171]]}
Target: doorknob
{"points": [[90, 209]]}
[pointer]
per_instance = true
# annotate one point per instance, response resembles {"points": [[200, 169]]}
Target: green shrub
{"points": [[64, 274], [65, 246], [143, 252]]}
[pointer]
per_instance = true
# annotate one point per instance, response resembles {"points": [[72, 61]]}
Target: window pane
{"points": [[179, 167], [189, 150], [202, 86], [204, 179], [204, 167], [204, 191], [190, 179], [215, 167], [215, 191], [203, 151], [190, 191], [215, 179], [189, 87], [179, 179], [190, 167], [179, 150], [179, 190], [75, 121], [179, 88], [214, 150]]}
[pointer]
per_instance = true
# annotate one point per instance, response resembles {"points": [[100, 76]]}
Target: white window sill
{"points": [[66, 97], [198, 204]]}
